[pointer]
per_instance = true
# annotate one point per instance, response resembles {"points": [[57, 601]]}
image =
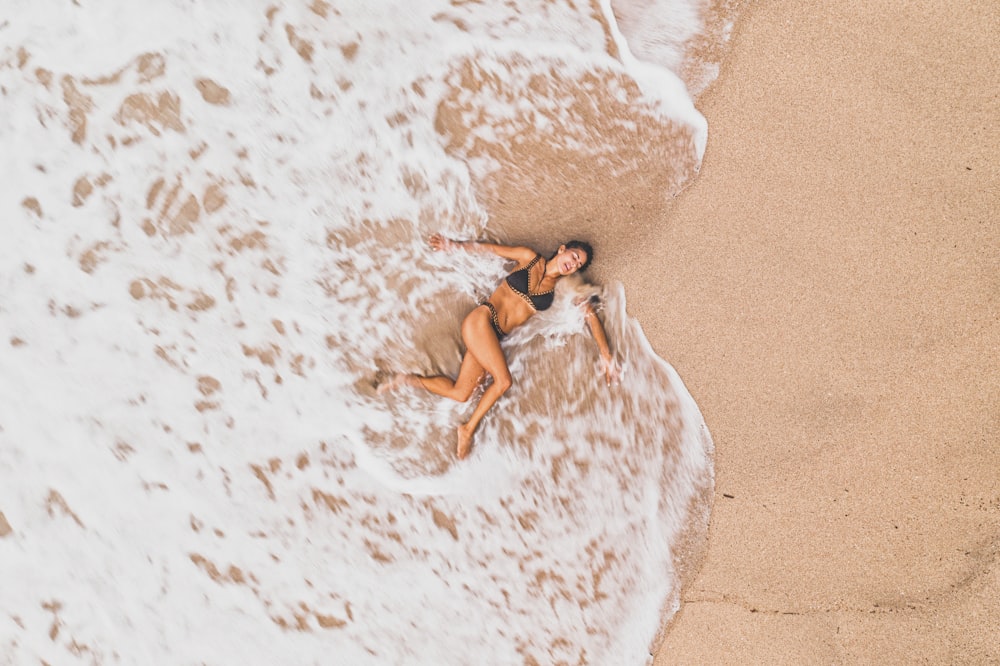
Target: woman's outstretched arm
{"points": [[521, 255], [611, 370]]}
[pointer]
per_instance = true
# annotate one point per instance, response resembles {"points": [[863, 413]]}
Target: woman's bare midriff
{"points": [[512, 310]]}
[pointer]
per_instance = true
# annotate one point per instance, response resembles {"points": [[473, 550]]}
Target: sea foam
{"points": [[216, 223]]}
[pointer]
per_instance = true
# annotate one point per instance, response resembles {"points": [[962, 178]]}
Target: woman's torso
{"points": [[522, 293]]}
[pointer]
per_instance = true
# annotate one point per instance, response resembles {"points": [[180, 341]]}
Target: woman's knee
{"points": [[503, 382]]}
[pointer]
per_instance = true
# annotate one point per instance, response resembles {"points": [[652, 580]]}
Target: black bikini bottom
{"points": [[495, 321]]}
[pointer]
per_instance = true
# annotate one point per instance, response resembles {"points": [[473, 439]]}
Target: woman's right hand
{"points": [[439, 242]]}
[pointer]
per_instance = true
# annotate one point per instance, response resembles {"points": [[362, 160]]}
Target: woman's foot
{"points": [[397, 380], [464, 440]]}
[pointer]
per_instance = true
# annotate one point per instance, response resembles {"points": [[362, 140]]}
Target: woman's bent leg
{"points": [[482, 343], [470, 374]]}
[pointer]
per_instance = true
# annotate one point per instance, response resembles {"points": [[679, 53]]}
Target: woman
{"points": [[525, 291]]}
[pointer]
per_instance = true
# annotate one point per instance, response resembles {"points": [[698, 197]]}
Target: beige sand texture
{"points": [[828, 290]]}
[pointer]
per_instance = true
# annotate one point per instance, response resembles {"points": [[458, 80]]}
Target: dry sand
{"points": [[828, 290]]}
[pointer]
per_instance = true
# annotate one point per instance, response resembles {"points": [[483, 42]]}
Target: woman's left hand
{"points": [[612, 371]]}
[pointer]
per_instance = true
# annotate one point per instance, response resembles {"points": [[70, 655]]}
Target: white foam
{"points": [[192, 459], [658, 79]]}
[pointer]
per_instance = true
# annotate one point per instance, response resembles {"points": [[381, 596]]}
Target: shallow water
{"points": [[215, 247]]}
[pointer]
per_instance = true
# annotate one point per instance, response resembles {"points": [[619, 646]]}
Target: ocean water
{"points": [[215, 219]]}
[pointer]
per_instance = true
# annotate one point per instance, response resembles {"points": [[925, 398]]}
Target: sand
{"points": [[828, 290]]}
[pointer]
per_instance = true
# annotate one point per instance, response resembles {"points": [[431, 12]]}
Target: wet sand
{"points": [[828, 289]]}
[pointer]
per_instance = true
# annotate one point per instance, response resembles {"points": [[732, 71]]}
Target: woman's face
{"points": [[569, 260]]}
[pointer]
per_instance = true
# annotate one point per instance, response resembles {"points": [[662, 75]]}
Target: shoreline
{"points": [[826, 289]]}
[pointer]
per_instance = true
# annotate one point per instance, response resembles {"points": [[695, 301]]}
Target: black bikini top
{"points": [[518, 281]]}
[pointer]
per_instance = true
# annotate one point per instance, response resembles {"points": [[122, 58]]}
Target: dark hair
{"points": [[585, 246]]}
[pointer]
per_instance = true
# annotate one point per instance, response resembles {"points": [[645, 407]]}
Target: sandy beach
{"points": [[828, 290], [219, 242]]}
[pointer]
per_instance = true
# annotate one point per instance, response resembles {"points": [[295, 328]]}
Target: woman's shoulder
{"points": [[524, 255]]}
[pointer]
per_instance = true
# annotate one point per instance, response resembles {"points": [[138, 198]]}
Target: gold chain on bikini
{"points": [[527, 297]]}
